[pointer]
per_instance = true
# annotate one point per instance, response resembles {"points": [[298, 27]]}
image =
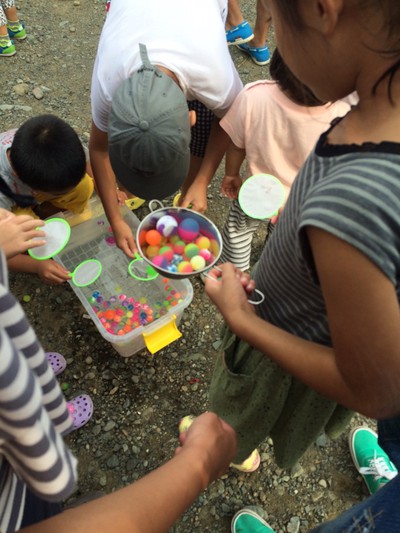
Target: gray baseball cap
{"points": [[149, 133]]}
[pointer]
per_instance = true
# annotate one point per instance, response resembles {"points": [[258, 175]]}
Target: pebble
{"points": [[109, 425], [113, 461], [37, 93]]}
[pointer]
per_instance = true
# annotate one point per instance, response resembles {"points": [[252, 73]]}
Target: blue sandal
{"points": [[240, 34]]}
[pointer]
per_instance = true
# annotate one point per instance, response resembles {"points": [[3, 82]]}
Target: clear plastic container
{"points": [[158, 302]]}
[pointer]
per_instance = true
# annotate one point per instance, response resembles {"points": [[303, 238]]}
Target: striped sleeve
{"points": [[359, 202], [33, 417]]}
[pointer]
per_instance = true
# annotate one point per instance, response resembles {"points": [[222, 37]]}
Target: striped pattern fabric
{"points": [[33, 417], [352, 192], [237, 235]]}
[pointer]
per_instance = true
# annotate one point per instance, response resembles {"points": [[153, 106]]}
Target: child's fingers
{"points": [[35, 243]]}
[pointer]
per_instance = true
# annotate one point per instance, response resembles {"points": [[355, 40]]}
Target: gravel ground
{"points": [[139, 400]]}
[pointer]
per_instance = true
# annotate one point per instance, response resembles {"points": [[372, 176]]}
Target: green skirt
{"points": [[260, 400]]}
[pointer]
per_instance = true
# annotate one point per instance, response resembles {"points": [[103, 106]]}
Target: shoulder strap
{"points": [[22, 200]]}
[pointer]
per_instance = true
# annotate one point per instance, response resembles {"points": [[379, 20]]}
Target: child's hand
{"points": [[17, 232], [212, 441], [229, 289], [195, 197], [51, 272], [275, 218], [124, 238], [230, 186]]}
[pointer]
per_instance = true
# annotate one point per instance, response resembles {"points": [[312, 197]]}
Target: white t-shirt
{"points": [[7, 173], [277, 134], [185, 36]]}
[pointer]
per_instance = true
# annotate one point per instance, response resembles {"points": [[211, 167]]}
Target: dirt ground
{"points": [[139, 400]]}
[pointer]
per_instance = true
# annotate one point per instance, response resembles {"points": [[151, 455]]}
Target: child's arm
{"points": [[196, 194], [106, 187], [155, 502], [48, 270], [232, 180], [364, 320]]}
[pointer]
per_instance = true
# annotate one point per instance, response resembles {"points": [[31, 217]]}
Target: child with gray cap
{"points": [[141, 100]]}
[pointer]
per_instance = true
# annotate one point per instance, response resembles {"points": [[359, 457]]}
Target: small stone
{"points": [[294, 525], [21, 89], [109, 426], [113, 461], [37, 93]]}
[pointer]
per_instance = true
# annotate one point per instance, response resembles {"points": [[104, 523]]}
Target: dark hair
{"points": [[47, 154], [289, 84], [391, 16]]}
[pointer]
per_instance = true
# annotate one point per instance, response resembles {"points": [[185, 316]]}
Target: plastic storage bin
{"points": [[130, 314]]}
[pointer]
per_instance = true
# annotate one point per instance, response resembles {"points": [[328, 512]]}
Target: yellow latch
{"points": [[163, 336]]}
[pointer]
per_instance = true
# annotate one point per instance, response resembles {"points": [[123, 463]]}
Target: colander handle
{"points": [[260, 294], [155, 204]]}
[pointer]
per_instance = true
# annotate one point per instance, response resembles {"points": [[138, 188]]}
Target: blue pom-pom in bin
{"points": [[178, 242]]}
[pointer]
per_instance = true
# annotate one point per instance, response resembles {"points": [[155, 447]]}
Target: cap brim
{"points": [[155, 186]]}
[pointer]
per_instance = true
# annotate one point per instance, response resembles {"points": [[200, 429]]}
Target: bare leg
{"points": [[262, 25], [11, 14], [235, 16]]}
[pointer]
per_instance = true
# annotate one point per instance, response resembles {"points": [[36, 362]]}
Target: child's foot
{"points": [[249, 465], [134, 203], [7, 47], [16, 30], [242, 33], [177, 199], [81, 410], [247, 520], [369, 458], [57, 362], [259, 55]]}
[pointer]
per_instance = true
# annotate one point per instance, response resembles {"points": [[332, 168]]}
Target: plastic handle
{"points": [[163, 336]]}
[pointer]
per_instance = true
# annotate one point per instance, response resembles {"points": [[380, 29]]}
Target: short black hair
{"points": [[289, 84], [47, 155]]}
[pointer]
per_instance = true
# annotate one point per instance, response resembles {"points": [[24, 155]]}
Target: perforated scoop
{"points": [[141, 270], [58, 232], [86, 272], [261, 196]]}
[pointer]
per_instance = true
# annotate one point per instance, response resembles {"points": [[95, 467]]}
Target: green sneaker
{"points": [[16, 30], [370, 460], [248, 521], [7, 48]]}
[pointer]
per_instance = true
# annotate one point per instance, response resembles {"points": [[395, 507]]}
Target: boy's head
{"points": [[47, 155], [289, 84], [149, 134]]}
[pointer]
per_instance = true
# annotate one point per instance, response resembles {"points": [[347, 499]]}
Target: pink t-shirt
{"points": [[276, 133]]}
